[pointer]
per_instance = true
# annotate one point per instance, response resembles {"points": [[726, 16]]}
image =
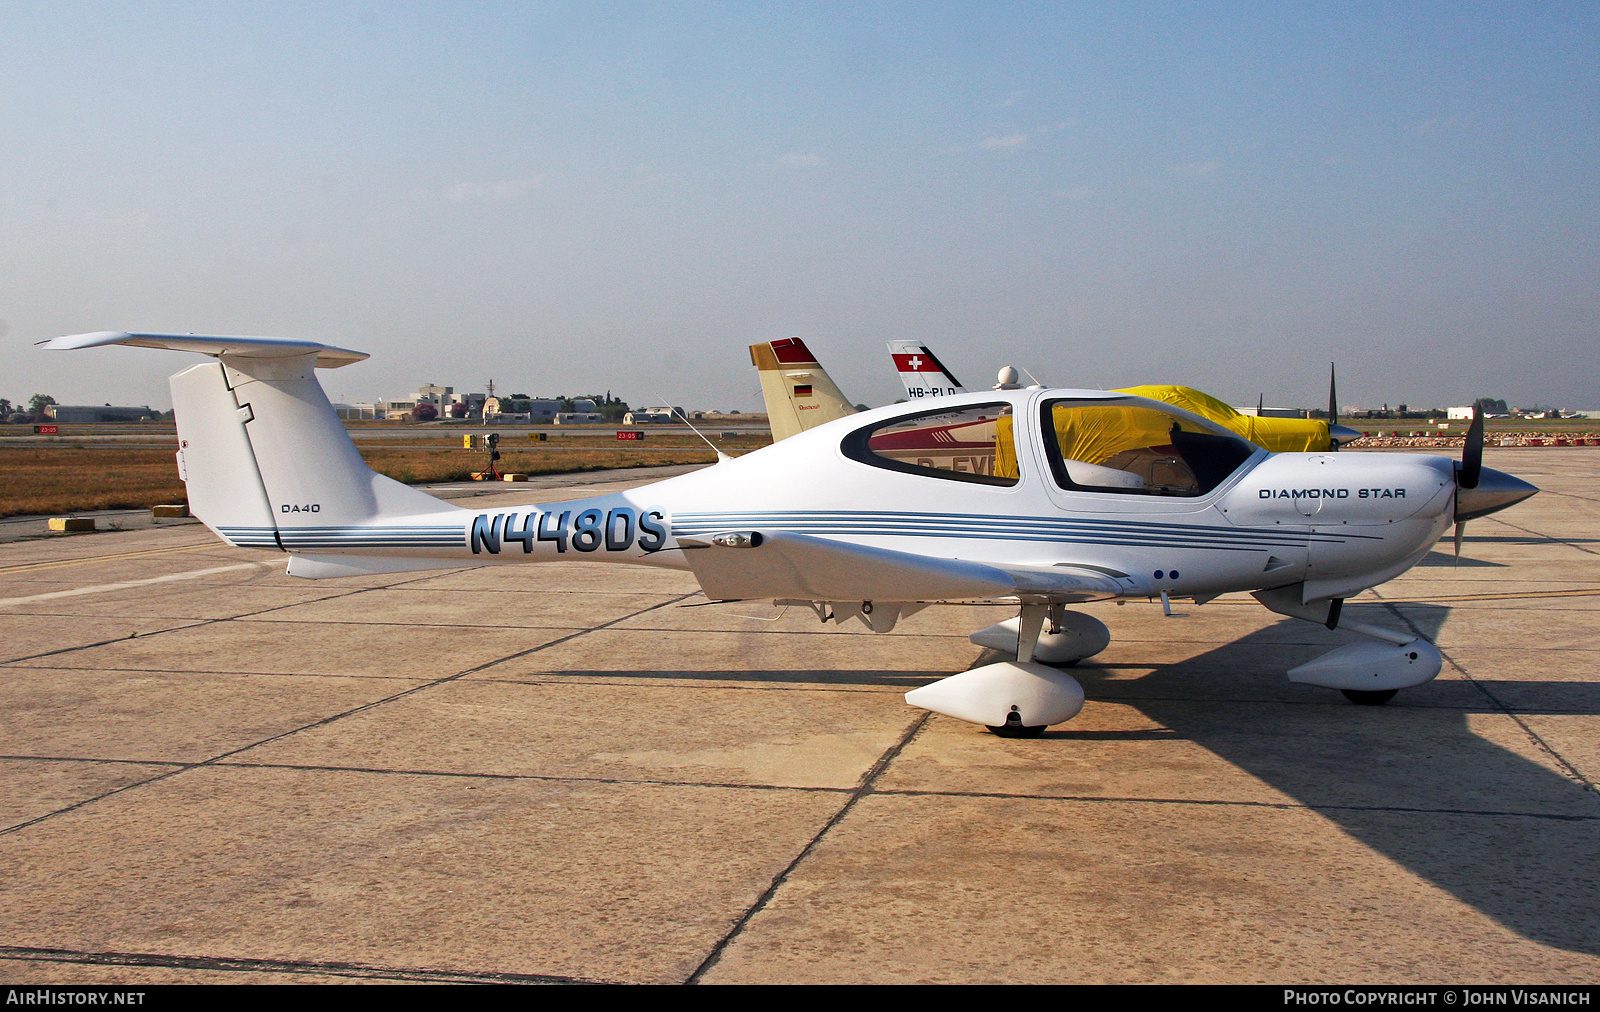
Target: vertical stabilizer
{"points": [[799, 393], [314, 478], [922, 372], [266, 460]]}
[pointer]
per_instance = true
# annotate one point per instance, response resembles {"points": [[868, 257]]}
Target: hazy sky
{"points": [[574, 197]]}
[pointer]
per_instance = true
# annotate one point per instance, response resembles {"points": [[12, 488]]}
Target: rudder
{"points": [[216, 461]]}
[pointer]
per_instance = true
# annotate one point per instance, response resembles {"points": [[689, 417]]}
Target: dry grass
{"points": [[61, 478], [420, 465], [67, 477]]}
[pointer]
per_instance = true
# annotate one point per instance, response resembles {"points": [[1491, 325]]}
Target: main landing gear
{"points": [[1020, 698], [1015, 728]]}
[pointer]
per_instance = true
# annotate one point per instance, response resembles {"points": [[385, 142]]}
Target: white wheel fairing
{"points": [[1039, 694]]}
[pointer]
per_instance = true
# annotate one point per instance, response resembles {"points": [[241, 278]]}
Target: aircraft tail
{"points": [[799, 393], [922, 372], [268, 463]]}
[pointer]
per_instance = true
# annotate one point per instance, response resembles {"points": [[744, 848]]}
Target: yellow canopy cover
{"points": [[1280, 435]]}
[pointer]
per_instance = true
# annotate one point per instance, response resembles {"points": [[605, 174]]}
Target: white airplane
{"points": [[1090, 495]]}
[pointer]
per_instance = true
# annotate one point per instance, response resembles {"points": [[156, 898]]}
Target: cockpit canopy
{"points": [[1125, 445], [975, 443], [1134, 447]]}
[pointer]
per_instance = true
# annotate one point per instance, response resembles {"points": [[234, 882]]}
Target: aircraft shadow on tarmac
{"points": [[1413, 780], [903, 679], [1518, 539], [1444, 559], [1416, 783]]}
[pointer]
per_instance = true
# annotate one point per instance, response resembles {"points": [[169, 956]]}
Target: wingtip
{"points": [[72, 342]]}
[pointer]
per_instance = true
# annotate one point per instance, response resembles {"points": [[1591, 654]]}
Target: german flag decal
{"points": [[802, 390]]}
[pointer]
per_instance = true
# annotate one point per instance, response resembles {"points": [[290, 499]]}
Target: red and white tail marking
{"points": [[922, 372]]}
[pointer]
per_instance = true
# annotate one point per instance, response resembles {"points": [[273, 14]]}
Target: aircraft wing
{"points": [[750, 565]]}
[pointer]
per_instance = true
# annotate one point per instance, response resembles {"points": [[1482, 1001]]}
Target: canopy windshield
{"points": [[1134, 448]]}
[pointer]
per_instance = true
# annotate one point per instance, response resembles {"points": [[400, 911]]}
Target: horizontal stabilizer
{"points": [[328, 357], [325, 567]]}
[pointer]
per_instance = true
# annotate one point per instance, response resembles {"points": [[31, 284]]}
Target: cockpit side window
{"points": [[974, 444], [1136, 450]]}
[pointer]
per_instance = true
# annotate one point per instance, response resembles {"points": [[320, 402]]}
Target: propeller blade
{"points": [[1333, 407], [1461, 525], [1472, 453]]}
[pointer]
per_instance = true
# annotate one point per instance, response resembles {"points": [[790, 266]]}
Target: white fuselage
{"points": [[1338, 522]]}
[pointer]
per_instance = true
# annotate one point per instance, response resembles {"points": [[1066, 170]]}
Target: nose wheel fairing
{"points": [[1372, 667]]}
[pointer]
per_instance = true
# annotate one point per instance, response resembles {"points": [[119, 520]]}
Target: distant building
{"points": [[658, 415], [579, 417], [95, 414], [539, 411], [1455, 414]]}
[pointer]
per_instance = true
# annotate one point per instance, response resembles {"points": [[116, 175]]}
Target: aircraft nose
{"points": [[1496, 490], [1342, 434]]}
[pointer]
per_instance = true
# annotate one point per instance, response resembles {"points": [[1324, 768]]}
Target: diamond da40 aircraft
{"points": [[1068, 496]]}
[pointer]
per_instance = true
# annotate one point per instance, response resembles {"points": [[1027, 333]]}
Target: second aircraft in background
{"points": [[800, 395], [925, 376]]}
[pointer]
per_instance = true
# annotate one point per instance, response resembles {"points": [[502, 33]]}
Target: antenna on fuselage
{"points": [[721, 457]]}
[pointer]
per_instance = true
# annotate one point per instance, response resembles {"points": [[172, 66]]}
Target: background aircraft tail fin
{"points": [[799, 393], [922, 372]]}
